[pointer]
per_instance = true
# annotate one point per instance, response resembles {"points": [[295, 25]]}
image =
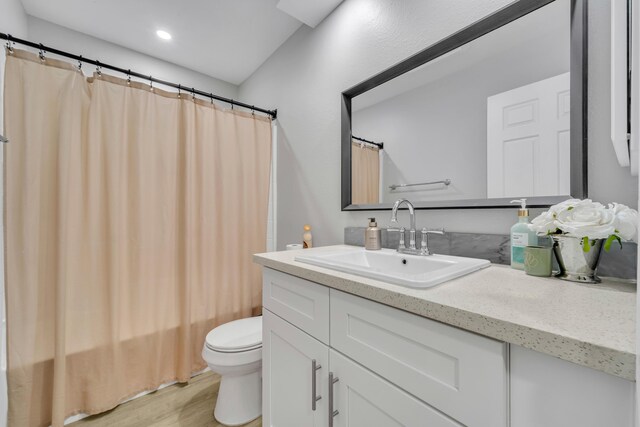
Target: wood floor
{"points": [[186, 405]]}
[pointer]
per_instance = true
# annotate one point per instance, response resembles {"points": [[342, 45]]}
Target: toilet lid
{"points": [[238, 335]]}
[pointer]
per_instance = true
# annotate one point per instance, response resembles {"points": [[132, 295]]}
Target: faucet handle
{"points": [[423, 240], [401, 243], [424, 249]]}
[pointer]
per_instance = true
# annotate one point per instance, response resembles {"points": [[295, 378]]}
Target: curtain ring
{"points": [[80, 64], [193, 94], [253, 111], [9, 47], [232, 104], [211, 96], [129, 77], [41, 53], [151, 82], [98, 69], [179, 94]]}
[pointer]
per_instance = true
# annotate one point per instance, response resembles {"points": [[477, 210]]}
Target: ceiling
{"points": [[226, 39]]}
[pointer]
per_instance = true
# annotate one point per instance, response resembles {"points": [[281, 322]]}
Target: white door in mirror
{"points": [[526, 127]]}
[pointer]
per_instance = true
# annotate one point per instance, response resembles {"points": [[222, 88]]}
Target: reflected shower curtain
{"points": [[365, 174], [131, 220]]}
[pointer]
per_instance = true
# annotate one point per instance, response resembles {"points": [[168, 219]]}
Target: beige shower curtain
{"points": [[131, 220], [365, 174]]}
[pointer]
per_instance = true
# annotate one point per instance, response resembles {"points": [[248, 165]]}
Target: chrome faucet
{"points": [[424, 242], [412, 225]]}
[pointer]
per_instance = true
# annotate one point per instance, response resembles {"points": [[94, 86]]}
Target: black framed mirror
{"points": [[496, 111]]}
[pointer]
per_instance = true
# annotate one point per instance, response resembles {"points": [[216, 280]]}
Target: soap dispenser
{"points": [[373, 236], [521, 235]]}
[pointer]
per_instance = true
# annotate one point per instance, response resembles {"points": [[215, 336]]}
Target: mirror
{"points": [[492, 113]]}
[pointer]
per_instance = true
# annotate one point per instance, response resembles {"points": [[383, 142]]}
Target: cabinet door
{"points": [[550, 392], [288, 379], [363, 399], [460, 373]]}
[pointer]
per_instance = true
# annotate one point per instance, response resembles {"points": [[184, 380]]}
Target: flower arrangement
{"points": [[588, 220]]}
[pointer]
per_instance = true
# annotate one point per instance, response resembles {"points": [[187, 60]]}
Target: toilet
{"points": [[234, 350]]}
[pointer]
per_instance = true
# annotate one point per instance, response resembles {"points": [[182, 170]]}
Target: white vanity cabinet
{"points": [[395, 368], [392, 367]]}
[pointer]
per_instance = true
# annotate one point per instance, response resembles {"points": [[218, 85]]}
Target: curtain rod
{"points": [[379, 144], [10, 39]]}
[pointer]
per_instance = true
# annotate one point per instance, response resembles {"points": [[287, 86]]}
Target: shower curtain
{"points": [[131, 218], [365, 174]]}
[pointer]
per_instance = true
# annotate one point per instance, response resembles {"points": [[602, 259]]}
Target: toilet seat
{"points": [[236, 336]]}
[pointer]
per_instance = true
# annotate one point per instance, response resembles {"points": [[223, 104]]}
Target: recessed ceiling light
{"points": [[163, 35]]}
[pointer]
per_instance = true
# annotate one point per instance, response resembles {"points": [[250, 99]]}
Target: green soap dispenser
{"points": [[521, 235]]}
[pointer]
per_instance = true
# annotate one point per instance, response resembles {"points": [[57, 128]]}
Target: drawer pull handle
{"points": [[332, 412], [314, 398]]}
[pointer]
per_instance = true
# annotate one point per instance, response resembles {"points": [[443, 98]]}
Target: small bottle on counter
{"points": [[307, 238], [521, 235], [373, 236]]}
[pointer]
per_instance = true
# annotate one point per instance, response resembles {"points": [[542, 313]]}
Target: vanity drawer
{"points": [[460, 373], [300, 302]]}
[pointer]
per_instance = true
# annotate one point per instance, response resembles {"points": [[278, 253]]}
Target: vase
{"points": [[576, 264]]}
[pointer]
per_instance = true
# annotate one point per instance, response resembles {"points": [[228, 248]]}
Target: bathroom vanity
{"points": [[494, 348]]}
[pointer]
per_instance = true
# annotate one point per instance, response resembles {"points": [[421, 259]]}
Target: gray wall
{"points": [[13, 20], [304, 78], [439, 130]]}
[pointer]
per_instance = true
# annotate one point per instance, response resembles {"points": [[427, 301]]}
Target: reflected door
{"points": [[528, 140]]}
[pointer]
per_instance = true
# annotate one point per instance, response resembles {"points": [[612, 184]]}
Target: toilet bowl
{"points": [[234, 350]]}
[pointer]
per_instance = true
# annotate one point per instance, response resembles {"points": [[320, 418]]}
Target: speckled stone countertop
{"points": [[591, 325]]}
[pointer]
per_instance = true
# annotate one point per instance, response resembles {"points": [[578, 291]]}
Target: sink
{"points": [[388, 265]]}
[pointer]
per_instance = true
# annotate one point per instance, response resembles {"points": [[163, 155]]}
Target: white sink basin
{"points": [[387, 265]]}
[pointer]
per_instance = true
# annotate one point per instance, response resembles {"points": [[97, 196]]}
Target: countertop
{"points": [[591, 325]]}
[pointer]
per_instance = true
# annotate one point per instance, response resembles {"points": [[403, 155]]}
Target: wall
{"points": [[82, 44], [13, 20], [304, 78]]}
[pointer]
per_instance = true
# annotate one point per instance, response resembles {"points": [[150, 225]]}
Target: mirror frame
{"points": [[578, 120]]}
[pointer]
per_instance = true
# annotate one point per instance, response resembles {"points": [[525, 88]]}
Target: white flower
{"points": [[545, 223], [564, 205], [586, 219], [626, 221]]}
